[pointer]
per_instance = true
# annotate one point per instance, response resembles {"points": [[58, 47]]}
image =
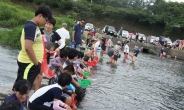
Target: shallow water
{"points": [[150, 84]]}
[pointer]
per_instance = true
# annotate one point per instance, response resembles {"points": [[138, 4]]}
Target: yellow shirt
{"points": [[31, 32]]}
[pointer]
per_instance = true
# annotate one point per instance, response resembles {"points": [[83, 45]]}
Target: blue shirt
{"points": [[78, 33], [136, 52], [14, 97]]}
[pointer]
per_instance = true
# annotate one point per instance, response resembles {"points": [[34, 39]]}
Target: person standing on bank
{"points": [[63, 33], [52, 37], [32, 50], [77, 33]]}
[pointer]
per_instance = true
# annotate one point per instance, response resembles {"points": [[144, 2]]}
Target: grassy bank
{"points": [[14, 17]]}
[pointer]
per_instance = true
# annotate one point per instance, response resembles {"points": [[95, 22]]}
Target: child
{"points": [[32, 50], [72, 56], [90, 54], [52, 94], [162, 53], [51, 37], [97, 48], [59, 61], [12, 105], [117, 49], [126, 51], [136, 52], [66, 95], [110, 43], [21, 92], [103, 47], [111, 55]]}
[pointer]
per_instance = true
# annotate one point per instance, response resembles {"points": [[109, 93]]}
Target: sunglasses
{"points": [[83, 22]]}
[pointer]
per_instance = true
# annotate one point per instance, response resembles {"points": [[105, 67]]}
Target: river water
{"points": [[151, 83]]}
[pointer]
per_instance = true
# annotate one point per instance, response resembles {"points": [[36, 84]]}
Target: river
{"points": [[151, 83]]}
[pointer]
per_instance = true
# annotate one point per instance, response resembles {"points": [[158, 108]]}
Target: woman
{"points": [[52, 38]]}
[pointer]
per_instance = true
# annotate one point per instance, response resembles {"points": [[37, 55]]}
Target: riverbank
{"points": [[14, 18], [152, 49]]}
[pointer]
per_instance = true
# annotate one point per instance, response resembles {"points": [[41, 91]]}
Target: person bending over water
{"points": [[51, 94]]}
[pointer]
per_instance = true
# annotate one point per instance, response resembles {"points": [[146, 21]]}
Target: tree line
{"points": [[151, 12]]}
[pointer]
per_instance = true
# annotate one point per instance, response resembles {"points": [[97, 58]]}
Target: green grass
{"points": [[14, 18]]}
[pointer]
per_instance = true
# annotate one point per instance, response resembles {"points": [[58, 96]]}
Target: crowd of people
{"points": [[69, 64]]}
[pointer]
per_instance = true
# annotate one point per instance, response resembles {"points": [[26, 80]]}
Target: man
{"points": [[31, 54], [64, 34], [77, 33]]}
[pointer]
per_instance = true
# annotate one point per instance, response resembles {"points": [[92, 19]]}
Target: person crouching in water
{"points": [[117, 49], [136, 52], [126, 51], [162, 53]]}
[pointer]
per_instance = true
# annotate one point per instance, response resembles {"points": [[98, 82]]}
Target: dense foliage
{"points": [[14, 17], [152, 12]]}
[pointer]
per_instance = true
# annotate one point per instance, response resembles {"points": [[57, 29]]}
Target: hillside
{"points": [[100, 22]]}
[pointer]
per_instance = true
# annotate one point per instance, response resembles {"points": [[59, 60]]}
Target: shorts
{"points": [[27, 71], [125, 53], [116, 57]]}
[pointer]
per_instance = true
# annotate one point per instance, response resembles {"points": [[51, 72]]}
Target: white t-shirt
{"points": [[63, 33], [98, 46], [126, 49], [110, 43]]}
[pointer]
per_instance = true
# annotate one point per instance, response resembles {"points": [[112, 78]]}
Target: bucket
{"points": [[83, 84], [86, 73], [87, 81]]}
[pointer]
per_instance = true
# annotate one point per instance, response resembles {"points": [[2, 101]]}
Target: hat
{"points": [[118, 42]]}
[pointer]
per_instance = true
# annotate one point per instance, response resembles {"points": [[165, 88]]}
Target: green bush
{"points": [[14, 17], [11, 37]]}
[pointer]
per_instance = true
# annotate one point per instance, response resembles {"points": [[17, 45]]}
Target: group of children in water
{"points": [[101, 45], [69, 66]]}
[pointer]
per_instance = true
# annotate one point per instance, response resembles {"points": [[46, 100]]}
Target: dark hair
{"points": [[103, 40], [80, 93], [22, 86], [64, 79], [72, 53], [63, 53], [11, 105], [45, 11], [127, 42], [83, 20], [86, 58], [69, 68], [52, 21], [67, 49], [80, 54]]}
